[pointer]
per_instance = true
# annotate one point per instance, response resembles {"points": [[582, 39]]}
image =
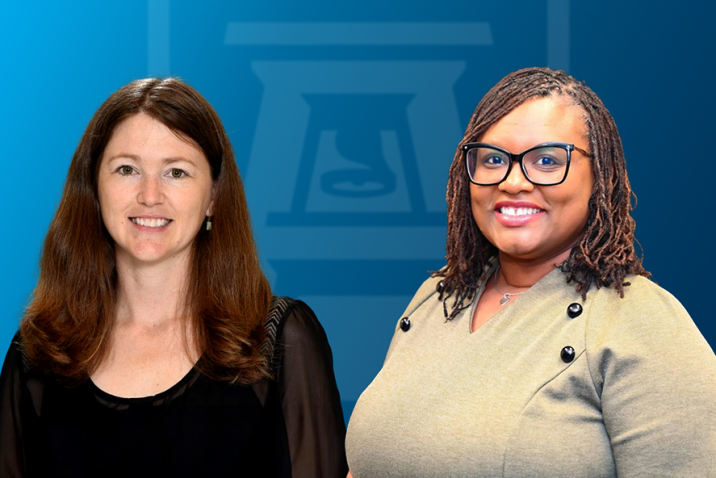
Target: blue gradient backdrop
{"points": [[344, 118]]}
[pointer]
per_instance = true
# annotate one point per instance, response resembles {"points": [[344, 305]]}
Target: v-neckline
{"points": [[499, 315]]}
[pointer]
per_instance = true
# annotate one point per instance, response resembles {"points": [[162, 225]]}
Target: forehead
{"points": [[141, 133], [537, 121]]}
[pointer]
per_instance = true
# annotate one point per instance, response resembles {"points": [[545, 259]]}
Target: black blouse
{"points": [[289, 427]]}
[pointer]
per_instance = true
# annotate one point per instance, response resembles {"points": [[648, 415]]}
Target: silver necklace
{"points": [[506, 296]]}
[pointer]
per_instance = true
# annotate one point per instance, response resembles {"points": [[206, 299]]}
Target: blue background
{"points": [[297, 108]]}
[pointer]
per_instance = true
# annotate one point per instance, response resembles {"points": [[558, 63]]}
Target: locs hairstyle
{"points": [[605, 255], [66, 328]]}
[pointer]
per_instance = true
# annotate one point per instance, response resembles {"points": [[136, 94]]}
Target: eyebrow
{"points": [[169, 160]]}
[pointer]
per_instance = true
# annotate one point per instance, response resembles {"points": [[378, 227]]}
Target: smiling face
{"points": [[528, 222], [155, 190]]}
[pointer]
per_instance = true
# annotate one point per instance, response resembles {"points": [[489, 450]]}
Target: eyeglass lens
{"points": [[545, 166]]}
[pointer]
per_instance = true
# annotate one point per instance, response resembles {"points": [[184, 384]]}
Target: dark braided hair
{"points": [[605, 255]]}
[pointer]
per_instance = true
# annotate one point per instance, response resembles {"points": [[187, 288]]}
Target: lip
{"points": [[517, 221]]}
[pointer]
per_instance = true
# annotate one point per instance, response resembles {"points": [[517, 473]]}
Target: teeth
{"points": [[518, 211], [150, 222]]}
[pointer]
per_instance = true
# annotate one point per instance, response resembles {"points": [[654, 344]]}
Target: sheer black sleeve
{"points": [[12, 460], [310, 400]]}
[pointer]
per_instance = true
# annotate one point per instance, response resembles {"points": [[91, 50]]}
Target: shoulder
{"points": [[15, 371], [299, 326], [429, 291], [643, 293], [303, 354], [645, 306], [647, 326], [426, 291], [15, 358], [420, 312]]}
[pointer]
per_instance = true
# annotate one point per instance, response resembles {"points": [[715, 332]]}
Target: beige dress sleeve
{"points": [[656, 376]]}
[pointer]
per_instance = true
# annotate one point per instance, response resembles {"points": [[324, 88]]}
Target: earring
{"points": [[208, 223]]}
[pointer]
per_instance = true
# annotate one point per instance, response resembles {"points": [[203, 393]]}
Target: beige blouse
{"points": [[635, 398]]}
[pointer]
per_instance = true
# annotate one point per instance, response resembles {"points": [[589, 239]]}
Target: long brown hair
{"points": [[67, 326], [605, 255]]}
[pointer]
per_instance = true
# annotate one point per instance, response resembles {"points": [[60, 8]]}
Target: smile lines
{"points": [[150, 222]]}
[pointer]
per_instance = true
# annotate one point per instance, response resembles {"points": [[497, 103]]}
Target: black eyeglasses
{"points": [[544, 165]]}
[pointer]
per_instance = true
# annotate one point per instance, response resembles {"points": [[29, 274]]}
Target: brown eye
{"points": [[125, 170]]}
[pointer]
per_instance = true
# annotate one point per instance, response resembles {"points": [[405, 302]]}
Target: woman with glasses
{"points": [[541, 349], [152, 345]]}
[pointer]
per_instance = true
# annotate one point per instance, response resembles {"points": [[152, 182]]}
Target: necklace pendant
{"points": [[505, 299]]}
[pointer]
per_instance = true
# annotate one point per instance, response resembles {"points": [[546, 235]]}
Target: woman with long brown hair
{"points": [[541, 349], [152, 345]]}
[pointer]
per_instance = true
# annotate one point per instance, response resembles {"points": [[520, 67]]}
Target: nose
{"points": [[150, 191], [515, 182]]}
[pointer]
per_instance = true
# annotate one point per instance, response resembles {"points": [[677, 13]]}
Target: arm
{"points": [[656, 376], [12, 459], [310, 400]]}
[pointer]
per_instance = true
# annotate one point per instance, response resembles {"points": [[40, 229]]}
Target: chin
{"points": [[146, 253], [520, 251]]}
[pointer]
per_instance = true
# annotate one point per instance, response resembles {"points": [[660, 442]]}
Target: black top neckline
{"points": [[160, 398]]}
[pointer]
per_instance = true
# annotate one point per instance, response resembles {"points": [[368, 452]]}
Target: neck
{"points": [[149, 295], [520, 273]]}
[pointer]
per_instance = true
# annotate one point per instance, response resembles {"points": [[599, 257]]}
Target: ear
{"points": [[210, 209]]}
